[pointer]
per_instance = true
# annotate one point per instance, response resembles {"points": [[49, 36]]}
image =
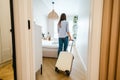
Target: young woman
{"points": [[63, 33]]}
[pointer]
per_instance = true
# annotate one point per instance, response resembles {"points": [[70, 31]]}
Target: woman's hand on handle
{"points": [[71, 39]]}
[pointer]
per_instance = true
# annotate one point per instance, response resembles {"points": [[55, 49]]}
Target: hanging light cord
{"points": [[53, 4]]}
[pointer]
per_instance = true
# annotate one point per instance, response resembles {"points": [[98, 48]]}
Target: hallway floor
{"points": [[6, 71], [77, 73]]}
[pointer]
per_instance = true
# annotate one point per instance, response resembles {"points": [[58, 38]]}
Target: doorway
{"points": [[94, 42], [48, 25], [7, 41]]}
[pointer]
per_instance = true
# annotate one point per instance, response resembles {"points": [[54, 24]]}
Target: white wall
{"points": [[39, 16], [50, 27], [40, 12], [83, 33], [82, 40]]}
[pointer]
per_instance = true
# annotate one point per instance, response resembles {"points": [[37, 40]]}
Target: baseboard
{"points": [[5, 62], [81, 60], [85, 67]]}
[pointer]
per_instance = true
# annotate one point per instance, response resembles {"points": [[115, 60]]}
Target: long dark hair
{"points": [[62, 17]]}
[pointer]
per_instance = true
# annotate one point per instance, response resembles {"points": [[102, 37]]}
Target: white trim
{"points": [[94, 39], [81, 59], [85, 68]]}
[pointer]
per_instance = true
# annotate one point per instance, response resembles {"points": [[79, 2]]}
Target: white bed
{"points": [[50, 48]]}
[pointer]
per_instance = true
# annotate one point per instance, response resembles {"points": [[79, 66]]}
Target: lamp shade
{"points": [[53, 15]]}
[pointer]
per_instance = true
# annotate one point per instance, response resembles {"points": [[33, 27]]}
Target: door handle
{"points": [[10, 30], [28, 24]]}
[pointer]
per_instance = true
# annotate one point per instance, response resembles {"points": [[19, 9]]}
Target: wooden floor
{"points": [[6, 71], [49, 73], [77, 73]]}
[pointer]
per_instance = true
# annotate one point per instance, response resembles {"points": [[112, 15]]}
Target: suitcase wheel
{"points": [[57, 70], [67, 72]]}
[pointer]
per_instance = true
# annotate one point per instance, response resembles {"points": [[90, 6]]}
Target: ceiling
{"points": [[70, 7]]}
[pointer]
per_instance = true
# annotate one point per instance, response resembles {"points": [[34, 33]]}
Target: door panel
{"points": [[5, 26]]}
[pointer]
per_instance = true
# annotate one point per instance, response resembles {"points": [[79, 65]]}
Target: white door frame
{"points": [[24, 52], [94, 39]]}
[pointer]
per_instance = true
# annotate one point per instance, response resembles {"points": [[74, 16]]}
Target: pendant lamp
{"points": [[53, 14]]}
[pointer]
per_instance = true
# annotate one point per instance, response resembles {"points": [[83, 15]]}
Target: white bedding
{"points": [[50, 48], [49, 44]]}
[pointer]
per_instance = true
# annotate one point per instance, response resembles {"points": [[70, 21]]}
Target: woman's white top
{"points": [[62, 31]]}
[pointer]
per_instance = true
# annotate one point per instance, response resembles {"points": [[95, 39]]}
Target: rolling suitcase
{"points": [[64, 62]]}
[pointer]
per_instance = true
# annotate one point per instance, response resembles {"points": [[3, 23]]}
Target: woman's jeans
{"points": [[63, 44]]}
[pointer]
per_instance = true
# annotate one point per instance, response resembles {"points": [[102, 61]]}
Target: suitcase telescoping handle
{"points": [[71, 45]]}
